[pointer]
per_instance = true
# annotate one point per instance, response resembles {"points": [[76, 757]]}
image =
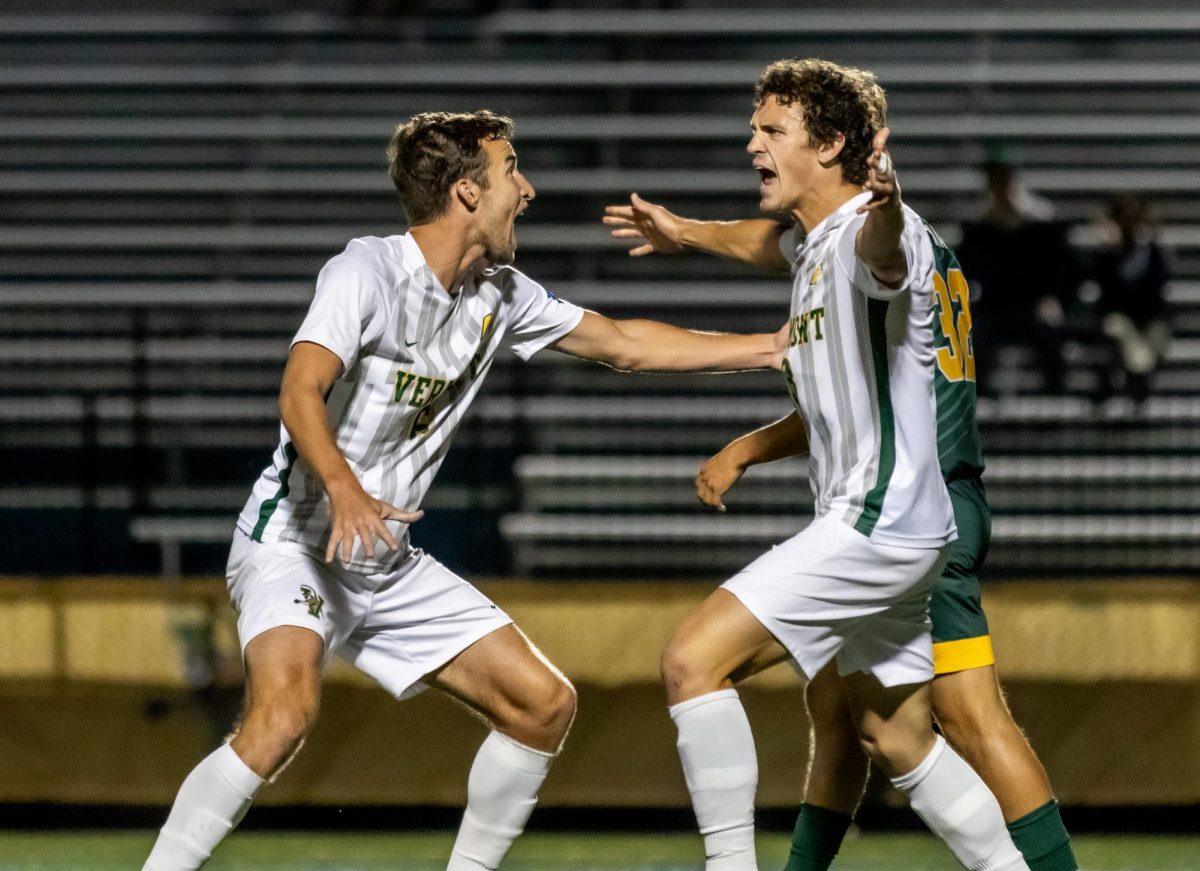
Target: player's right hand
{"points": [[357, 515], [716, 476], [660, 229], [881, 176]]}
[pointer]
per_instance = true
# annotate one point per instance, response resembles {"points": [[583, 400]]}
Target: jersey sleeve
{"points": [[787, 246], [347, 311], [917, 252], [538, 318]]}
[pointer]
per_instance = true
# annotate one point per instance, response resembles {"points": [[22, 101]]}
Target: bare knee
{"points": [[285, 721], [895, 748], [882, 749], [543, 717], [279, 720], [686, 673], [558, 710], [273, 729]]}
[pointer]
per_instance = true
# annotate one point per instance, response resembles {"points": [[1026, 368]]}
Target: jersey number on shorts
{"points": [[956, 359]]}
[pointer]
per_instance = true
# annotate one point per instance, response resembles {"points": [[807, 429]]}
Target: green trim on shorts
{"points": [[956, 606]]}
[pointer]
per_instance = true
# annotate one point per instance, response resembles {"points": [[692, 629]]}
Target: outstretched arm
{"points": [[754, 241], [785, 437], [878, 242], [310, 372], [652, 346]]}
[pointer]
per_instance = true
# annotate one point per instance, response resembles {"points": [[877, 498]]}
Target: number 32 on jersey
{"points": [[956, 359]]}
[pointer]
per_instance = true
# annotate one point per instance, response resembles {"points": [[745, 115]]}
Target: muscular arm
{"points": [[786, 437], [652, 346], [310, 373], [754, 241]]}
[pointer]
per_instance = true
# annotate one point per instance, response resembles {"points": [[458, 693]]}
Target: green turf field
{"points": [[249, 851]]}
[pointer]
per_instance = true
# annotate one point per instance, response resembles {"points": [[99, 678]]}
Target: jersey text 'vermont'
{"points": [[798, 327]]}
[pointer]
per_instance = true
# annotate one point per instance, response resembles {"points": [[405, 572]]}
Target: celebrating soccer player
{"points": [[881, 371], [399, 337]]}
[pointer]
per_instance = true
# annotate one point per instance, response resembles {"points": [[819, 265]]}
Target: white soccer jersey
{"points": [[859, 367], [414, 357]]}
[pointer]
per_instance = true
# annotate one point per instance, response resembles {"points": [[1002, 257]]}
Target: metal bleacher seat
{"points": [[170, 183]]}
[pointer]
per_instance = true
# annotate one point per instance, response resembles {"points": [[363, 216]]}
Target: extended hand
{"points": [[881, 175], [660, 229], [357, 515], [716, 476]]}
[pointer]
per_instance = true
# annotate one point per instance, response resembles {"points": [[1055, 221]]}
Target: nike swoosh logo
{"points": [[409, 344]]}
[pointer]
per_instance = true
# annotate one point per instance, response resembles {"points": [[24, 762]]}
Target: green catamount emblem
{"points": [[309, 597]]}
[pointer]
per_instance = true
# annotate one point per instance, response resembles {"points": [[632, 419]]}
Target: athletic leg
{"points": [[529, 705], [837, 775], [975, 719], [718, 645], [283, 689], [969, 703], [895, 726]]}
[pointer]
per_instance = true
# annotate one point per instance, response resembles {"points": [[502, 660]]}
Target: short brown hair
{"points": [[834, 99], [429, 152]]}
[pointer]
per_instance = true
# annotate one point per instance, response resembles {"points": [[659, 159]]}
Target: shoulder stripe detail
{"points": [[873, 504], [268, 507]]}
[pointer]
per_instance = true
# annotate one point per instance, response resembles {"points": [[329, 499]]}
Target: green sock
{"points": [[1043, 840], [818, 835]]}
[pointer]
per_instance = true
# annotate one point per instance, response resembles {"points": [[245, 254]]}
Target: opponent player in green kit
{"points": [[967, 699]]}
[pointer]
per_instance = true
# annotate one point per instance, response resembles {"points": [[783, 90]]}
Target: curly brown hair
{"points": [[429, 152], [834, 99]]}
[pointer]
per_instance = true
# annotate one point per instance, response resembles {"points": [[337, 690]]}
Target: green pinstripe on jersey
{"points": [[269, 506], [876, 318], [861, 376], [960, 450]]}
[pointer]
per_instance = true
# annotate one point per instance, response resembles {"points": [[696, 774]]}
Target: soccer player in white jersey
{"points": [[400, 334], [851, 591]]}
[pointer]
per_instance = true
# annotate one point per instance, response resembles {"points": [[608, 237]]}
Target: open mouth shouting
{"points": [[766, 177]]}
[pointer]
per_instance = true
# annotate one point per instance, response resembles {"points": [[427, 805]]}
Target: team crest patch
{"points": [[310, 598]]}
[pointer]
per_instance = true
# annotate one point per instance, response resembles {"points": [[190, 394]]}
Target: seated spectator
{"points": [[1132, 270], [1022, 273]]}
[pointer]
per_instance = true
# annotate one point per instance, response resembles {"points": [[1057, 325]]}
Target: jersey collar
{"points": [[844, 212], [415, 260]]}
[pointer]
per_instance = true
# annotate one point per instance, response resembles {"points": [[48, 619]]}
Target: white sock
{"points": [[501, 792], [721, 770], [956, 804], [211, 802]]}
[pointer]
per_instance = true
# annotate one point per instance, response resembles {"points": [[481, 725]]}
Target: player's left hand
{"points": [[716, 476], [657, 229], [881, 176]]}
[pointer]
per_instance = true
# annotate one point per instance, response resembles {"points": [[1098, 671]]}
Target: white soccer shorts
{"points": [[394, 626], [829, 591]]}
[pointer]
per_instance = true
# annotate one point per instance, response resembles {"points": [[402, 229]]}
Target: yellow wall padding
{"points": [[607, 634], [109, 697]]}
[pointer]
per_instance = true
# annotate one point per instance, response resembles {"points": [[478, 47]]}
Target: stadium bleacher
{"points": [[172, 182]]}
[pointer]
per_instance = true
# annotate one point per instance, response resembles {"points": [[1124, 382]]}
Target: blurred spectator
{"points": [[1132, 270], [1023, 276]]}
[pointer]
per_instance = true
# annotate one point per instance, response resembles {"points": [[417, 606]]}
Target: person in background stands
{"points": [[1132, 271]]}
